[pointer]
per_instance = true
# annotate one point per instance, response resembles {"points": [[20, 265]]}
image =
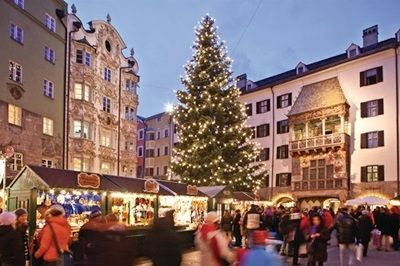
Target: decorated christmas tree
{"points": [[214, 146]]}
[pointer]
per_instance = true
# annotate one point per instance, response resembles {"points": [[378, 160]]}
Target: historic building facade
{"points": [[140, 146], [101, 100], [329, 130], [32, 82]]}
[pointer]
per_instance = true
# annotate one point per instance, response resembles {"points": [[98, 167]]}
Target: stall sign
{"points": [[88, 180], [151, 185], [192, 190]]}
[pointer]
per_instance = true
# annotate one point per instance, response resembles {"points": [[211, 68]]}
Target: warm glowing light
{"points": [[169, 108]]}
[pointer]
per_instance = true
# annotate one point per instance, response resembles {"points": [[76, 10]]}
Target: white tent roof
{"points": [[370, 200]]}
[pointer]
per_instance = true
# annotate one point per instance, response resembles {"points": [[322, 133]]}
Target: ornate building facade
{"points": [[329, 130], [101, 100]]}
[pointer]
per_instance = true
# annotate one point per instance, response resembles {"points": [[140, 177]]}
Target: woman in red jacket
{"points": [[55, 217]]}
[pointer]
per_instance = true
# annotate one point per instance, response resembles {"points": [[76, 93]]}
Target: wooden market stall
{"points": [[221, 198], [242, 201]]}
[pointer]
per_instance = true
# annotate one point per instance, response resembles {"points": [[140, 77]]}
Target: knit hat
{"points": [[211, 217], [7, 218], [21, 211], [57, 207], [259, 237]]}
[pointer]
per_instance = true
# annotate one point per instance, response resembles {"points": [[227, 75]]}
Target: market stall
{"points": [[221, 198], [37, 188]]}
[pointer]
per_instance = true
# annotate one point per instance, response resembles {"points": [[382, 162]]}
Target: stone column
{"points": [[341, 123], [323, 126], [306, 128]]}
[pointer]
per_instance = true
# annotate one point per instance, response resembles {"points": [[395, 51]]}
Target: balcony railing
{"points": [[320, 184], [330, 140]]}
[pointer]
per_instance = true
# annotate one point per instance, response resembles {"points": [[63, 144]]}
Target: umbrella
{"points": [[370, 200]]}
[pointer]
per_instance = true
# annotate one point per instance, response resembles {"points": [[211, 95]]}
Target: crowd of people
{"points": [[257, 236]]}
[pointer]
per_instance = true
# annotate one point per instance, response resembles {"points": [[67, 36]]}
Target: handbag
{"points": [[64, 256]]}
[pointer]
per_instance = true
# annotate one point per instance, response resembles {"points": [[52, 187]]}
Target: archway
{"points": [[286, 202], [333, 203]]}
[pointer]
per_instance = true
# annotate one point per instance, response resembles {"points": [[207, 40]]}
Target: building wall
{"points": [[140, 144], [28, 94], [110, 146]]}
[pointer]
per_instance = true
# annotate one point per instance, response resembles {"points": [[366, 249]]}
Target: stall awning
{"points": [[45, 178], [244, 196], [369, 200], [217, 191], [138, 185], [182, 189]]}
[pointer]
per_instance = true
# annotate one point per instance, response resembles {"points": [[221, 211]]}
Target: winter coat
{"points": [[252, 220], [365, 227], [385, 224], [22, 230], [47, 248], [236, 223], [346, 229], [226, 223], [258, 256], [328, 219], [168, 251], [213, 246], [11, 246], [317, 247]]}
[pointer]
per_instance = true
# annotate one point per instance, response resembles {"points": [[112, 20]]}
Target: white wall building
{"points": [[330, 129]]}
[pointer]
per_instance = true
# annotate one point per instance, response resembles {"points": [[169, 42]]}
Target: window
{"points": [[329, 171], [166, 133], [157, 171], [129, 145], [19, 3], [371, 76], [48, 88], [158, 135], [108, 45], [150, 136], [284, 100], [263, 106], [283, 180], [165, 170], [158, 152], [79, 56], [82, 91], [318, 170], [139, 171], [166, 150], [16, 162], [81, 129], [140, 151], [305, 172], [129, 85], [249, 109], [14, 115], [141, 133], [50, 22], [283, 126], [49, 54], [130, 113], [16, 33], [47, 163], [15, 71], [282, 152], [149, 171], [48, 126], [106, 104], [372, 173], [372, 108], [264, 154], [106, 167], [88, 58], [372, 139], [107, 74], [353, 52], [81, 164], [262, 130], [150, 153], [105, 138]]}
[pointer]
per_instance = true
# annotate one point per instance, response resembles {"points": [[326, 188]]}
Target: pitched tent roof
{"points": [[243, 196], [135, 185], [56, 178], [217, 191], [179, 188], [318, 95]]}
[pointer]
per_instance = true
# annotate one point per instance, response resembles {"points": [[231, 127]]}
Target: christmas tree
{"points": [[214, 146]]}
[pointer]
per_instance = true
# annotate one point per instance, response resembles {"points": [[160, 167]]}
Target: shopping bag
{"points": [[303, 250], [376, 237], [359, 252]]}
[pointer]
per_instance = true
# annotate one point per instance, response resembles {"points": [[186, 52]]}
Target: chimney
{"points": [[241, 81], [370, 36]]}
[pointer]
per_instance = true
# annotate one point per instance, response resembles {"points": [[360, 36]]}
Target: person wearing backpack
{"points": [[54, 237]]}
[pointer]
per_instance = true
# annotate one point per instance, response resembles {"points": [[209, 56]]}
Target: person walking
{"points": [[11, 244], [54, 236], [295, 236], [212, 244], [237, 234], [226, 224], [396, 227], [386, 228], [347, 231], [251, 222], [22, 229], [365, 227], [317, 238]]}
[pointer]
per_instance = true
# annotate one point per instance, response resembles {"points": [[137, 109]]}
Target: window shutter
{"points": [[268, 105], [363, 174], [258, 105], [290, 99], [364, 141], [267, 129], [381, 139], [286, 151], [267, 180], [278, 128], [381, 173], [380, 106], [289, 179], [363, 109], [379, 71], [278, 152], [279, 104], [277, 180], [362, 79], [267, 154]]}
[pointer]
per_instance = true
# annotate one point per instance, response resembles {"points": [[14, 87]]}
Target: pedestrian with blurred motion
{"points": [[251, 222], [226, 224], [22, 229], [365, 227], [237, 234], [11, 243], [54, 237], [296, 236], [317, 238], [212, 243], [162, 243], [386, 227], [396, 227], [258, 255], [347, 231]]}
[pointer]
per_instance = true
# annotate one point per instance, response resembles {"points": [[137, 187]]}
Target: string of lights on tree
{"points": [[214, 147]]}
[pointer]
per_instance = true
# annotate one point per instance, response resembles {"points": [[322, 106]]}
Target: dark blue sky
{"points": [[281, 34]]}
